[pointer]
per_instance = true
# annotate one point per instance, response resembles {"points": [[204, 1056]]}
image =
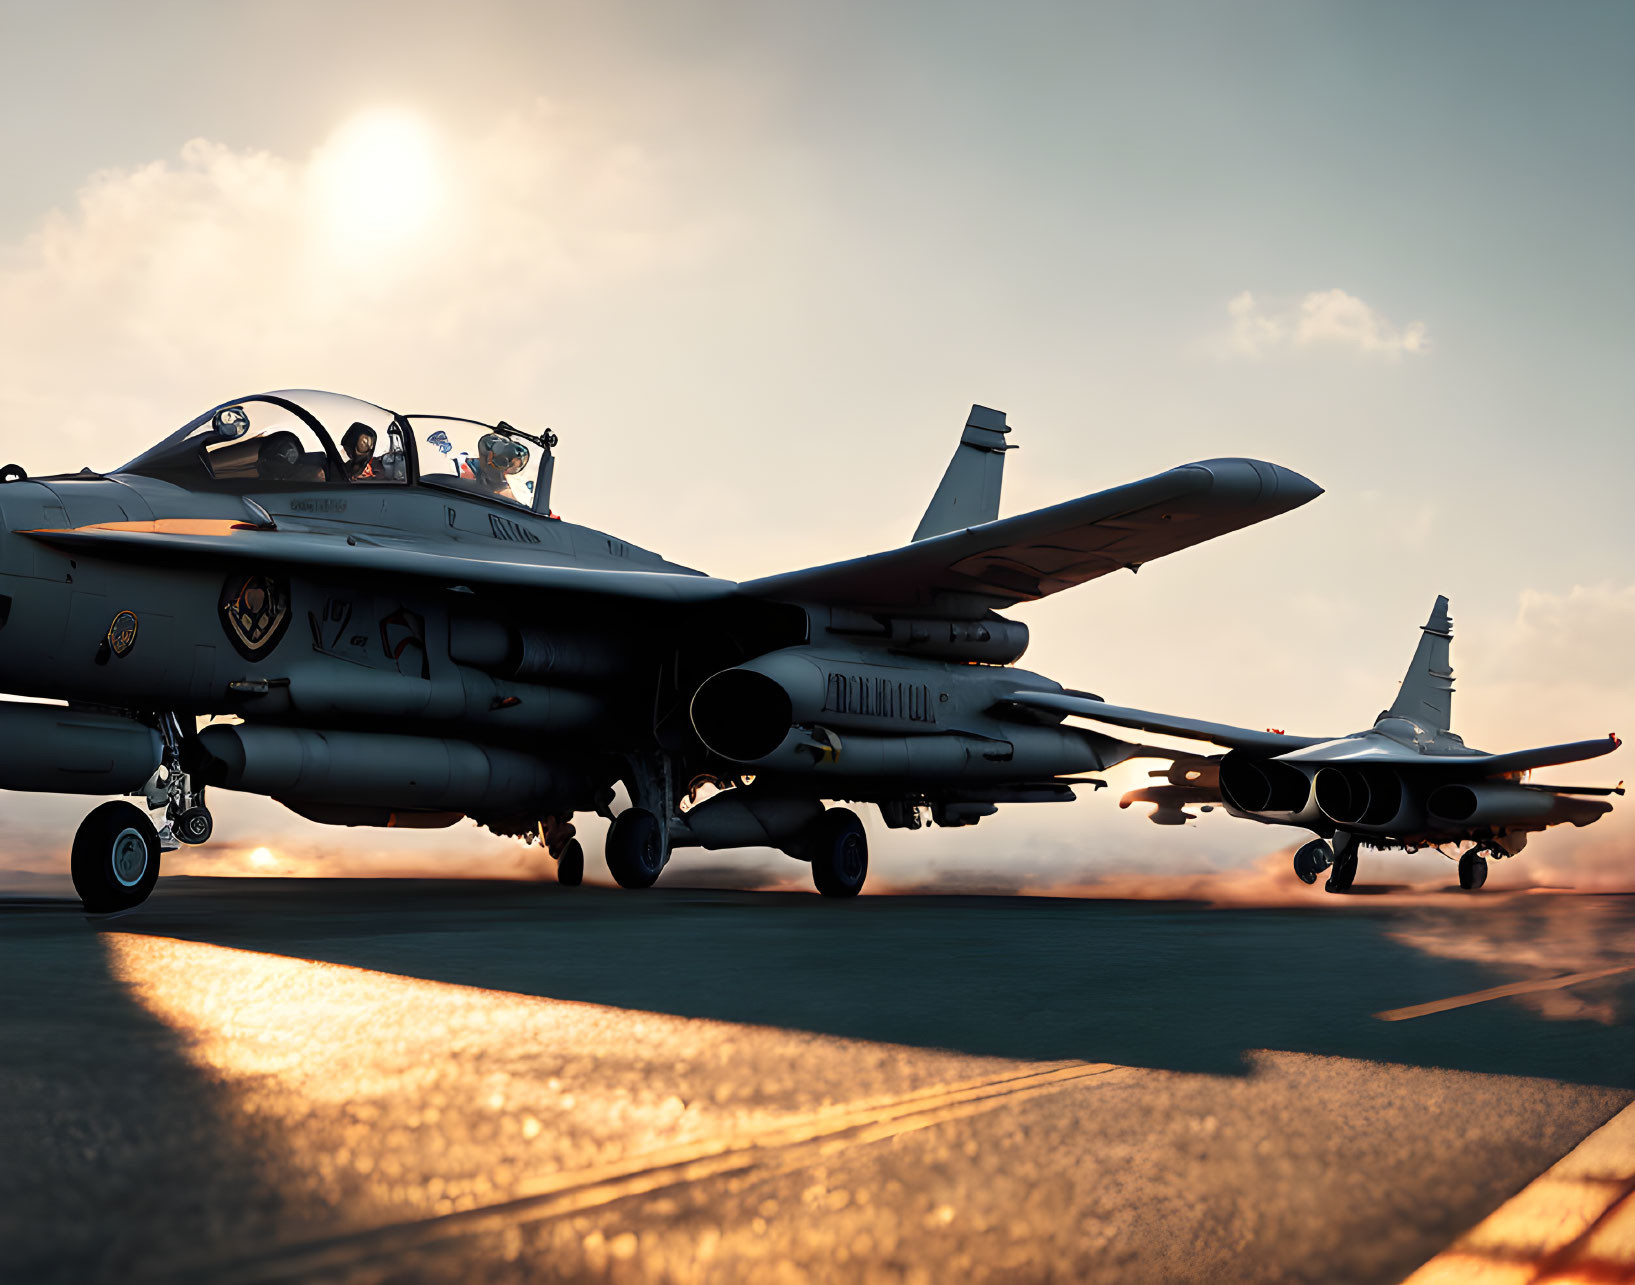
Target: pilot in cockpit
{"points": [[358, 452], [278, 458], [498, 457]]}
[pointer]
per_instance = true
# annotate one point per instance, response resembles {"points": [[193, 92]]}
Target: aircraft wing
{"points": [[1163, 724], [196, 541], [1019, 559], [1549, 755]]}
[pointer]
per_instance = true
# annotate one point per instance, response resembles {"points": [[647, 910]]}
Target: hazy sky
{"points": [[754, 261]]}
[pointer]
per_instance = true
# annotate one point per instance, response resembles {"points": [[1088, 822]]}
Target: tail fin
{"points": [[969, 493], [1426, 696]]}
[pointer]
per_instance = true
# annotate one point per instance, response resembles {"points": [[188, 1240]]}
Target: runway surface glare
{"points": [[268, 1080]]}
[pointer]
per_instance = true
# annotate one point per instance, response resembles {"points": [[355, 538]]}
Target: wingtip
{"points": [[1440, 622], [1259, 482], [1296, 486]]}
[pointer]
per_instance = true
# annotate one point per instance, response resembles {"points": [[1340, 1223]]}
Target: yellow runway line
{"points": [[1575, 1222], [1500, 992]]}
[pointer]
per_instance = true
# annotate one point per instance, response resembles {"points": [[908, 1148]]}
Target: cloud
{"points": [[1323, 319], [393, 255]]}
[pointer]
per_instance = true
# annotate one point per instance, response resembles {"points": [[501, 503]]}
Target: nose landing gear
{"points": [[115, 861], [116, 858]]}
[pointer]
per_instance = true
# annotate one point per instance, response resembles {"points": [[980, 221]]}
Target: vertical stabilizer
{"points": [[1426, 696], [969, 492]]}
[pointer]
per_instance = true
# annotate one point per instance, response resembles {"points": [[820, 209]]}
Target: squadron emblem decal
{"points": [[255, 611], [122, 633]]}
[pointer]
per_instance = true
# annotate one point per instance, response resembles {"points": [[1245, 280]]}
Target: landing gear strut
{"points": [[1472, 869], [1344, 870], [187, 819]]}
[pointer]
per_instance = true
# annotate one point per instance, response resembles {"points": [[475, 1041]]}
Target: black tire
{"points": [[636, 848], [116, 858], [1342, 874], [570, 866], [1472, 871], [1311, 860], [838, 849], [194, 826]]}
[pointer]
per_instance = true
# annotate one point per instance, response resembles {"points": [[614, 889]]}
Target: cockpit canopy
{"points": [[300, 439]]}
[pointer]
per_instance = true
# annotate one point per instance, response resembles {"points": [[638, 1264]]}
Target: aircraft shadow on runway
{"points": [[119, 1154], [1169, 985]]}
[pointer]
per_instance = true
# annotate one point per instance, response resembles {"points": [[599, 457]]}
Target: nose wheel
{"points": [[116, 858]]}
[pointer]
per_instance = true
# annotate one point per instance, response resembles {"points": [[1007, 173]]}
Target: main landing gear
{"points": [[833, 842], [1311, 860], [637, 848], [556, 833], [639, 839], [838, 849], [1340, 861], [1343, 872], [1472, 869]]}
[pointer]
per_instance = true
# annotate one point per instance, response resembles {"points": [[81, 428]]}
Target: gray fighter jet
{"points": [[376, 620], [1407, 782]]}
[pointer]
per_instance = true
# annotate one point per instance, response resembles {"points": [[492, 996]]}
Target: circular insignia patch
{"points": [[254, 611], [122, 633]]}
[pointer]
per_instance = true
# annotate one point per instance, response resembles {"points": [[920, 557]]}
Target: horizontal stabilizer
{"points": [[1022, 558], [1163, 724], [969, 492]]}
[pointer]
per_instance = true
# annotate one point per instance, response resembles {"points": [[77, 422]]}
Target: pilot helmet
{"points": [[280, 456], [354, 436], [502, 453]]}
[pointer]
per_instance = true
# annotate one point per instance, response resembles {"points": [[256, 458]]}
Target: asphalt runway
{"points": [[264, 1079]]}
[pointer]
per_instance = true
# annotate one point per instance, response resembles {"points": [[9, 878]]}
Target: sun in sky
{"points": [[263, 859], [377, 181]]}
